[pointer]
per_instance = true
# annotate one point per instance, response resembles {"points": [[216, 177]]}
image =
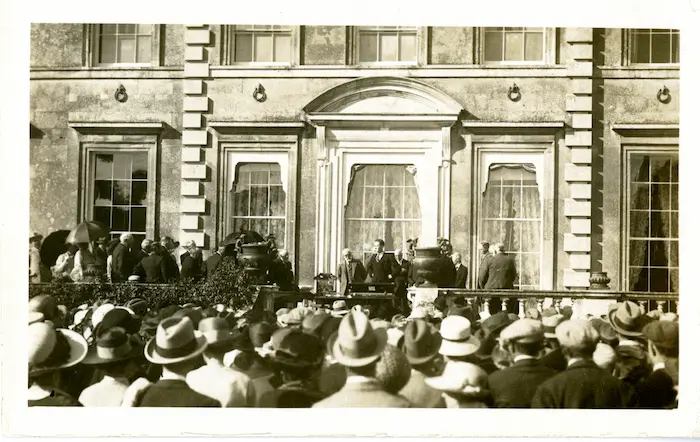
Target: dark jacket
{"points": [[152, 269], [482, 265], [555, 360], [352, 272], [420, 393], [174, 393], [363, 395], [461, 277], [380, 271], [499, 273], [172, 271], [581, 385], [401, 277], [122, 264], [192, 268], [281, 274], [211, 264], [297, 394], [100, 258], [657, 391], [515, 386]]}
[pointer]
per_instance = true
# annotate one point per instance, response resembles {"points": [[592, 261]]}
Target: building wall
{"points": [[65, 90]]}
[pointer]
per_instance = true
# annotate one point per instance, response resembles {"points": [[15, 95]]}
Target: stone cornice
{"points": [[118, 127]]}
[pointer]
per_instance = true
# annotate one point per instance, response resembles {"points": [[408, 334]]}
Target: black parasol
{"points": [[52, 246], [249, 236]]}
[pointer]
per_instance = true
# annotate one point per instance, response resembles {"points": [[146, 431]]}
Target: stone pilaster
{"points": [[578, 172], [193, 204]]}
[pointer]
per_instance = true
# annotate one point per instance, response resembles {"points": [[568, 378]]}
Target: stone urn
{"points": [[428, 262], [599, 281], [255, 260]]}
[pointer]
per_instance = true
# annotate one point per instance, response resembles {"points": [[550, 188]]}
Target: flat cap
{"points": [[577, 334], [662, 333], [523, 330], [550, 324]]}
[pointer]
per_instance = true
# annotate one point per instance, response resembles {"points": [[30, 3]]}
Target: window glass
{"points": [[514, 44], [125, 43], [386, 44], [654, 46]]}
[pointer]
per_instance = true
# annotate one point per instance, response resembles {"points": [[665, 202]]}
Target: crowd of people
{"points": [[335, 356]]}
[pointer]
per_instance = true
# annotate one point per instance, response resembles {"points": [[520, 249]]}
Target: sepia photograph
{"points": [[281, 216]]}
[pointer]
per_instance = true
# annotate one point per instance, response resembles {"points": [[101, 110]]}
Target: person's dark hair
{"points": [[72, 248], [292, 373], [184, 367], [367, 371], [528, 348], [116, 369], [380, 241]]}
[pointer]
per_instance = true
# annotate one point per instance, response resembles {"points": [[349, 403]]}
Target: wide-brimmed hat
{"points": [[138, 305], [217, 331], [35, 317], [99, 313], [523, 330], [493, 325], [295, 317], [628, 318], [293, 348], [340, 308], [460, 378], [119, 317], [45, 304], [357, 344], [112, 345], [175, 341], [194, 315], [457, 338], [550, 324], [421, 342], [46, 354], [314, 323]]}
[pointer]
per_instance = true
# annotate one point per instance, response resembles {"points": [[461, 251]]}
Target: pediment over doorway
{"points": [[384, 96]]}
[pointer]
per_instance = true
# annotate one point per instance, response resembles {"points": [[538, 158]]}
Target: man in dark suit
{"points": [[659, 389], [461, 272], [212, 263], [122, 261], [350, 270], [192, 264], [281, 272], [499, 273], [100, 254], [152, 268], [401, 277], [167, 245], [583, 384], [515, 386], [381, 267], [484, 257]]}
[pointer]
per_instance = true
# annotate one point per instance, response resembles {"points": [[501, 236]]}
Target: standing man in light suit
{"points": [[349, 270]]}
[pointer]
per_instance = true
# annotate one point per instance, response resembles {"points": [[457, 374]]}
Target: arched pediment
{"points": [[382, 96]]}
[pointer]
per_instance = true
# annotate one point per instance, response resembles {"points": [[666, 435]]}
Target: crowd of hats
{"points": [[324, 345]]}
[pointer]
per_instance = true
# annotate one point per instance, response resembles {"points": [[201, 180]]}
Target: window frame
{"points": [[627, 152], [422, 33], [91, 149], [627, 50], [549, 50], [92, 51], [228, 45]]}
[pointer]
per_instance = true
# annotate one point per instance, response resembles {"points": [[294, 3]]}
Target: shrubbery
{"points": [[230, 286]]}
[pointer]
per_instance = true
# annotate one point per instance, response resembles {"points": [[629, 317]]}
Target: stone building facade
{"points": [[560, 142]]}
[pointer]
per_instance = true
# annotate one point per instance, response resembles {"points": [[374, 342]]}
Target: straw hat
{"points": [[457, 338], [175, 341], [47, 354], [461, 378], [357, 344], [628, 318], [217, 331], [112, 345], [293, 348], [340, 308]]}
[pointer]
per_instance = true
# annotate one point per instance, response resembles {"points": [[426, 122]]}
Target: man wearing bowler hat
{"points": [[358, 347], [514, 387]]}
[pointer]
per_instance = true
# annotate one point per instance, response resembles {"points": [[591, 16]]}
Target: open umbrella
{"points": [[249, 236], [52, 246], [87, 231]]}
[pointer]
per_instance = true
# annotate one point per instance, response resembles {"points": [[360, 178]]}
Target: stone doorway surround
{"points": [[380, 120]]}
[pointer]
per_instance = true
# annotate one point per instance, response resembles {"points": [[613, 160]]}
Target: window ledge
{"points": [[641, 71], [125, 128], [669, 130], [227, 127], [538, 127]]}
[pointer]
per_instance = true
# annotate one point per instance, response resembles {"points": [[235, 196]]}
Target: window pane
{"points": [[493, 43], [138, 219], [389, 47], [103, 166], [122, 193], [660, 169], [127, 49], [639, 168], [368, 47], [145, 29], [529, 269], [674, 280], [412, 204], [127, 28], [144, 46], [240, 224], [640, 47], [108, 49], [660, 197], [407, 48], [240, 203], [374, 176], [259, 201], [661, 48], [673, 254], [639, 223], [122, 166], [374, 207], [244, 48], [533, 46], [676, 54], [139, 166], [103, 215], [639, 196], [263, 48], [531, 206], [660, 224], [674, 197], [120, 218], [277, 201], [103, 193], [277, 228], [639, 279], [674, 225], [514, 46], [283, 48], [108, 29], [658, 280], [139, 194]]}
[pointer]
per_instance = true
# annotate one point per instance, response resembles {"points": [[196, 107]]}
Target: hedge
{"points": [[230, 286]]}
